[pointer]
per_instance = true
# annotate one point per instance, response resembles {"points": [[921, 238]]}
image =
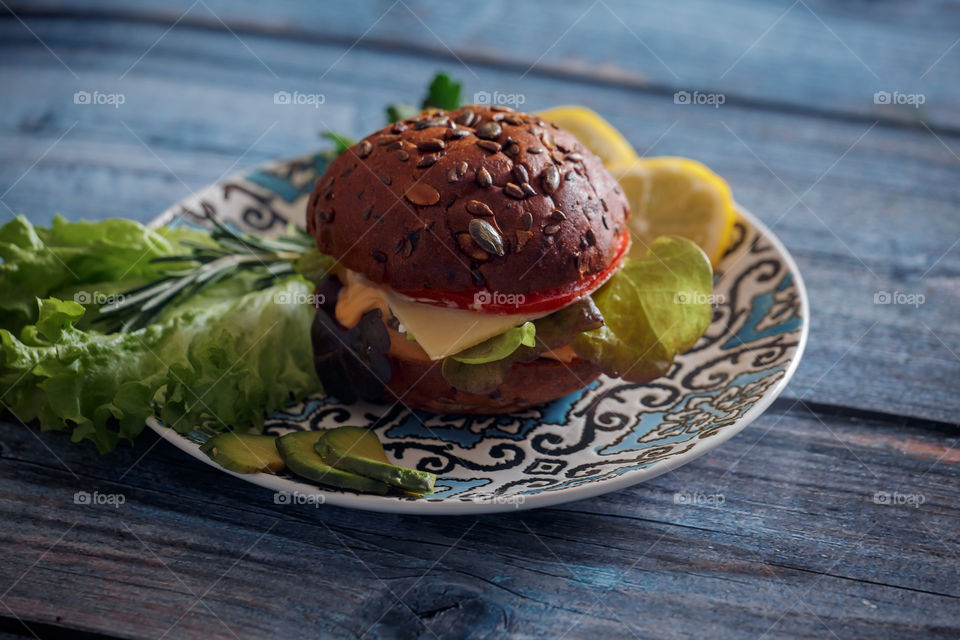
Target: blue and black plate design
{"points": [[603, 438]]}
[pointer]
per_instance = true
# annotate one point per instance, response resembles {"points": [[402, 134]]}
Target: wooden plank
{"points": [[813, 55], [197, 107], [797, 547], [21, 629]]}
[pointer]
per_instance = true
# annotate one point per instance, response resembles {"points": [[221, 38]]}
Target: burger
{"points": [[470, 247]]}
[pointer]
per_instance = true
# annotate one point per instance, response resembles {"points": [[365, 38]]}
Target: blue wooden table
{"points": [[837, 124]]}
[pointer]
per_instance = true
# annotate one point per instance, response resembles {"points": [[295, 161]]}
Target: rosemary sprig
{"points": [[203, 266]]}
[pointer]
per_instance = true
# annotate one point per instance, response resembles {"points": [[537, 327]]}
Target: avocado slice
{"points": [[244, 452], [297, 451], [359, 450]]}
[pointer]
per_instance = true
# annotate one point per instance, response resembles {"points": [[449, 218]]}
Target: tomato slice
{"points": [[482, 300]]}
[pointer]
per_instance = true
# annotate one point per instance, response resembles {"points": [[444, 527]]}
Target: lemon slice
{"points": [[677, 196], [667, 195], [594, 132]]}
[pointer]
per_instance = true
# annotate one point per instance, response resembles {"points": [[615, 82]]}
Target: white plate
{"points": [[604, 438]]}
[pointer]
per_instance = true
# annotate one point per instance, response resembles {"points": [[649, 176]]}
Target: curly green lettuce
{"points": [[653, 308], [71, 258], [223, 358], [649, 311]]}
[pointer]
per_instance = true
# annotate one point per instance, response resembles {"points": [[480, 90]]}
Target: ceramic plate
{"points": [[611, 435]]}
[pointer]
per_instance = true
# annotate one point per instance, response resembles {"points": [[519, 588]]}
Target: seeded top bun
{"points": [[480, 197]]}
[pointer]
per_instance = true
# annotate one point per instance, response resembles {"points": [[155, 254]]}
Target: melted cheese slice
{"points": [[440, 331], [443, 332]]}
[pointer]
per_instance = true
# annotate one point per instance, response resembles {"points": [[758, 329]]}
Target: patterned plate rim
{"points": [[456, 507]]}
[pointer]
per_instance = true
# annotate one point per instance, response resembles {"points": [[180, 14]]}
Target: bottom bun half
{"points": [[420, 385]]}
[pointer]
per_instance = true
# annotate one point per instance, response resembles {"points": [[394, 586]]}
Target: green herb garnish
{"points": [[208, 263], [401, 111], [340, 143], [443, 93]]}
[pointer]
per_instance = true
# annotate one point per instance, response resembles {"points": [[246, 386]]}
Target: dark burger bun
{"points": [[420, 385], [397, 207]]}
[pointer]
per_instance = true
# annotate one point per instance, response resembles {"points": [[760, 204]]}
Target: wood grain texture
{"points": [[812, 55], [798, 546], [877, 209]]}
